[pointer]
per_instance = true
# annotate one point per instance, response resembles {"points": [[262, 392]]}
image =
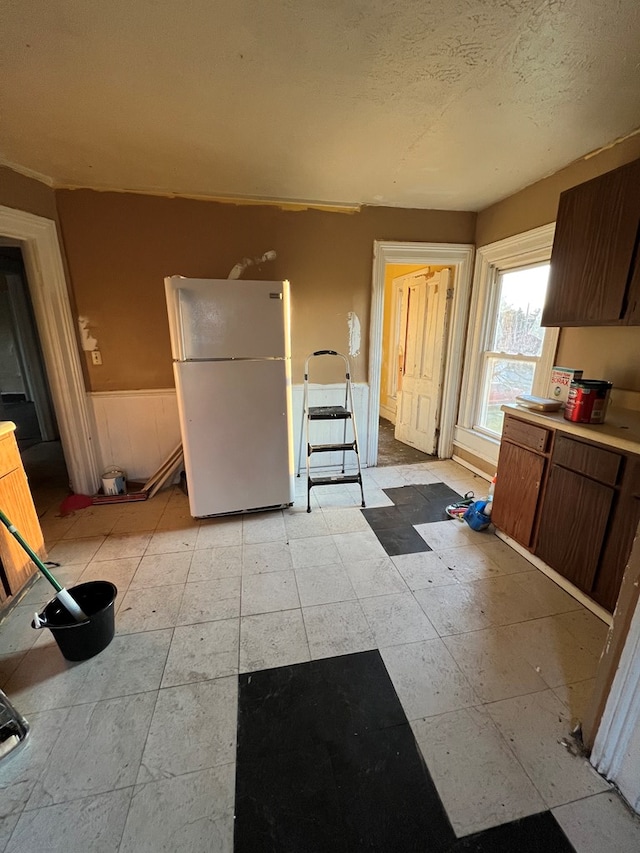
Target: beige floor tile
{"points": [[193, 728], [16, 633], [427, 679], [269, 591], [202, 652], [508, 561], [300, 525], [469, 563], [8, 665], [131, 663], [266, 557], [209, 563], [534, 725], [149, 609], [337, 629], [168, 541], [506, 601], [551, 597], [588, 630], [193, 812], [138, 522], [324, 585], [478, 778], [423, 570], [361, 545], [313, 551], [208, 601], [91, 823], [118, 572], [272, 639], [98, 750], [117, 546], [492, 667], [218, 532], [92, 525], [453, 609], [441, 535], [577, 698], [71, 551], [162, 570], [552, 651], [19, 774], [377, 576], [263, 527], [600, 824], [345, 520], [397, 619]]}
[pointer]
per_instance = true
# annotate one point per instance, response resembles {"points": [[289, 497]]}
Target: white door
{"points": [[422, 352]]}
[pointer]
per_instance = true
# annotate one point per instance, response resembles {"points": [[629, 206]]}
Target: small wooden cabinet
{"points": [[595, 269], [521, 467], [15, 499], [572, 502]]}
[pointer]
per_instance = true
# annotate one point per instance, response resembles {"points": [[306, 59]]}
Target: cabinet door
{"points": [[16, 500], [518, 484], [573, 525], [593, 248]]}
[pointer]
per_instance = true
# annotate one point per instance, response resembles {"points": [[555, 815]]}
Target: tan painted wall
{"points": [[26, 194], [120, 246], [602, 352]]}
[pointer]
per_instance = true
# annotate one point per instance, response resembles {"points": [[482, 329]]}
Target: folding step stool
{"points": [[330, 413]]}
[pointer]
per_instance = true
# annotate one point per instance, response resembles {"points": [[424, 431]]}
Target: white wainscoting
{"points": [[136, 430], [330, 432]]}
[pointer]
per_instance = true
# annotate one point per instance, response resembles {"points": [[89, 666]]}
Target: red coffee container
{"points": [[587, 402]]}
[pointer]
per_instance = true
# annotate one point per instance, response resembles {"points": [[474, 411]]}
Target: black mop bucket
{"points": [[82, 640]]}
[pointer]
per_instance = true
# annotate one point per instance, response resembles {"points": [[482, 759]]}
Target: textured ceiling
{"points": [[417, 103]]}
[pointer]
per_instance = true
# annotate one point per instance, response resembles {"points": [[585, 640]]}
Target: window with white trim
{"points": [[508, 352], [514, 342]]}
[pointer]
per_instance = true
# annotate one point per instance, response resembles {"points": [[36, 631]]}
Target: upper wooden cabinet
{"points": [[595, 264]]}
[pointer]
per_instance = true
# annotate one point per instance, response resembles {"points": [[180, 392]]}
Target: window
{"points": [[507, 351], [514, 342]]}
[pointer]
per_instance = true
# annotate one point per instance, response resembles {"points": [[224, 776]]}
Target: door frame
{"points": [[38, 239], [456, 255]]}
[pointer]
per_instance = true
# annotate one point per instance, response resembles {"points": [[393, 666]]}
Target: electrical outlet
{"points": [[96, 356]]}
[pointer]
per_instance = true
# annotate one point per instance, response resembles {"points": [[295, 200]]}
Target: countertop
{"points": [[621, 428], [6, 426]]}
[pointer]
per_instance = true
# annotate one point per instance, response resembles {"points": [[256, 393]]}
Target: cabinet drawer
{"points": [[525, 434], [601, 465]]}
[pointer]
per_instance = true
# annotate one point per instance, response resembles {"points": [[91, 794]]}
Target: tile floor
{"points": [[135, 749]]}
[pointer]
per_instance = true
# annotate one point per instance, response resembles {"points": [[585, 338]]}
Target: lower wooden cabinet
{"points": [[517, 491], [573, 525], [572, 502], [15, 499]]}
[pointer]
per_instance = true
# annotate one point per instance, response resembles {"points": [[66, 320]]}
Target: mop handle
{"points": [[16, 535]]}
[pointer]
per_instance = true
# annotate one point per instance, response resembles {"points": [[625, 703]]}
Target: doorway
{"points": [[25, 396], [37, 239], [425, 376]]}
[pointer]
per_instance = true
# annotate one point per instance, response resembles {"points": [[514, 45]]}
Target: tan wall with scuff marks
{"points": [[26, 194], [602, 352], [120, 246]]}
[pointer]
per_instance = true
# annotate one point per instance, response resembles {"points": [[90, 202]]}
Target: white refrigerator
{"points": [[230, 342]]}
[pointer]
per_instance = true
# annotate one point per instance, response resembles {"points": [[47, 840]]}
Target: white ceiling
{"points": [[448, 104]]}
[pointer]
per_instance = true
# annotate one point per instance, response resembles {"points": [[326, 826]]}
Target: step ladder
{"points": [[344, 413]]}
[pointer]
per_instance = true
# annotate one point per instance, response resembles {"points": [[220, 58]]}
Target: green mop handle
{"points": [[16, 535]]}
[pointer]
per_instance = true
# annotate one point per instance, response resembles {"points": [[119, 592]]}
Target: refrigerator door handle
{"points": [[183, 347]]}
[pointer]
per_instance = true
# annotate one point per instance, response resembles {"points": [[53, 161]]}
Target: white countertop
{"points": [[6, 426], [621, 428]]}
